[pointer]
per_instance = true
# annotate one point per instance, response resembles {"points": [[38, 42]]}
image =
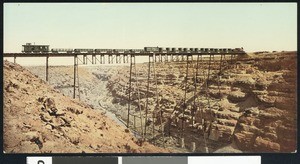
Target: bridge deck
{"points": [[110, 54]]}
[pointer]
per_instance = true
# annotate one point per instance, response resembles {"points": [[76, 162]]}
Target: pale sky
{"points": [[253, 26]]}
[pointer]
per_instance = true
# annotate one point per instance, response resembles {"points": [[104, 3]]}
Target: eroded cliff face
{"points": [[271, 125], [252, 103]]}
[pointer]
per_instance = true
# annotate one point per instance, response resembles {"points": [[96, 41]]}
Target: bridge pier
{"points": [[101, 59], [120, 59], [207, 91], [93, 56], [208, 74], [166, 57], [76, 78], [188, 56], [47, 68], [221, 64], [219, 76], [112, 59], [75, 72], [15, 59], [129, 94], [148, 85], [84, 59], [194, 109], [132, 64], [157, 107], [160, 57], [124, 61]]}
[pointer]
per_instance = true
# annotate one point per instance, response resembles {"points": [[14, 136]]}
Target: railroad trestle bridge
{"points": [[196, 59]]}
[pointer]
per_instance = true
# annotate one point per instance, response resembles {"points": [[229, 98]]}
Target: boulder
{"points": [[214, 135], [263, 145], [254, 111], [244, 140], [271, 136], [32, 135], [266, 100], [237, 96], [271, 113], [285, 103]]}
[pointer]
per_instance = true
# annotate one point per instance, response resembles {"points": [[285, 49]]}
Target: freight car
{"points": [[62, 50], [151, 49], [80, 50]]}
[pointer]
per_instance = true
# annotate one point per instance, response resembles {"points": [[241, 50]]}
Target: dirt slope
{"points": [[39, 119]]}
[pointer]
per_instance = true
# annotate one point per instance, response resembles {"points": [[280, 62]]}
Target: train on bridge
{"points": [[32, 48]]}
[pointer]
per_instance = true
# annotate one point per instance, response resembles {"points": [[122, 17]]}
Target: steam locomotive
{"points": [[29, 48]]}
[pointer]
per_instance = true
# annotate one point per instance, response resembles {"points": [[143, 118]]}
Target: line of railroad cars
{"points": [[29, 48], [190, 50]]}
